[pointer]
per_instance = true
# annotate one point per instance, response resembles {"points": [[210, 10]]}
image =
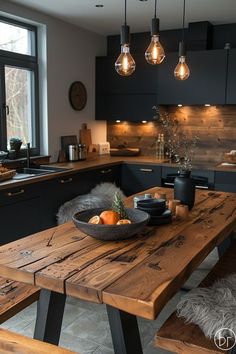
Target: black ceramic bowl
{"points": [[3, 155], [152, 203], [164, 218], [153, 211], [138, 220]]}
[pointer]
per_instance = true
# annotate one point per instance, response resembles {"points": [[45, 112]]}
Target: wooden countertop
{"points": [[94, 162]]}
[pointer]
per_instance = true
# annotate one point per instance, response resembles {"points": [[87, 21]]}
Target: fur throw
{"points": [[99, 197], [211, 308]]}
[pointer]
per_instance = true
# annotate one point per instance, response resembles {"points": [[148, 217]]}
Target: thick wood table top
{"points": [[137, 275]]}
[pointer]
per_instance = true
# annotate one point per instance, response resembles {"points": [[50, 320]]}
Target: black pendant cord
{"points": [[183, 21], [155, 13], [125, 12]]}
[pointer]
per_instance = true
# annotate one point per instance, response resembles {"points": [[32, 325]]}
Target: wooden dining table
{"points": [[133, 277]]}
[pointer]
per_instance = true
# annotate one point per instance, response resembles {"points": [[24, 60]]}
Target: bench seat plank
{"points": [[15, 343], [14, 297], [179, 337]]}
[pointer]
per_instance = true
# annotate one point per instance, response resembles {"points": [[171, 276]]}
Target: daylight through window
{"points": [[19, 84]]}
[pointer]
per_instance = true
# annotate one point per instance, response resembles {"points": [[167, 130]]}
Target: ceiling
{"points": [[107, 20]]}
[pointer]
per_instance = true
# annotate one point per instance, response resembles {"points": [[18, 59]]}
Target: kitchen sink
{"points": [[28, 172]]}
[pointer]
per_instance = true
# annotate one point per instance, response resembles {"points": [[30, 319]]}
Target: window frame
{"points": [[23, 61]]}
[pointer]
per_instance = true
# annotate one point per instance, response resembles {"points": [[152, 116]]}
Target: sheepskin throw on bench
{"points": [[100, 196]]}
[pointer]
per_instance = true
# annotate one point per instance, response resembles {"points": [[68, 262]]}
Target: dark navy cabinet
{"points": [[225, 181], [133, 108], [206, 83], [60, 190], [231, 78], [137, 178], [125, 98], [20, 213]]}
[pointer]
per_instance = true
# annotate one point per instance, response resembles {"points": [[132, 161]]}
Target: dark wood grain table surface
{"points": [[133, 277]]}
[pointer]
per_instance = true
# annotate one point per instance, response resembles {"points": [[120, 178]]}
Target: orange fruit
{"points": [[95, 220], [123, 221], [110, 217]]}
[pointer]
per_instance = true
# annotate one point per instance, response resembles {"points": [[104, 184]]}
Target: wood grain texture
{"points": [[137, 275], [15, 343], [14, 297], [178, 336], [214, 125]]}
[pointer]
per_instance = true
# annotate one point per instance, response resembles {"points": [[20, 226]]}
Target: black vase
{"points": [[184, 188]]}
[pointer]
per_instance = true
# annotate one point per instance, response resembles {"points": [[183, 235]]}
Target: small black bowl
{"points": [[164, 218], [153, 211], [157, 221], [152, 203], [3, 155], [138, 220]]}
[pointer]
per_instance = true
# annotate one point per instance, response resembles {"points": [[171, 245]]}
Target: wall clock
{"points": [[77, 95]]}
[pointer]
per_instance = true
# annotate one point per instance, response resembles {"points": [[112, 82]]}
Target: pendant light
{"points": [[182, 71], [155, 53], [125, 64]]}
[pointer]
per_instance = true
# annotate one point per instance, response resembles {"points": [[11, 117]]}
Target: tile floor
{"points": [[85, 325]]}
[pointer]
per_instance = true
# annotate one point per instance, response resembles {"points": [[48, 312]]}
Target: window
{"points": [[18, 85]]}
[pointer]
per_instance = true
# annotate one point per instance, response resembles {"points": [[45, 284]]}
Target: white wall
{"points": [[70, 55]]}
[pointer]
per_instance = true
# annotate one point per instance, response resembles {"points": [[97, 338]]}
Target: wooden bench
{"points": [[177, 336], [15, 343], [14, 297]]}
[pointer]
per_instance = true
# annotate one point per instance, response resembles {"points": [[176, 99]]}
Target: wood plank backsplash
{"points": [[215, 126]]}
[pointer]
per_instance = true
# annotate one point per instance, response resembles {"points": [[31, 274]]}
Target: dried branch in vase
{"points": [[179, 148]]}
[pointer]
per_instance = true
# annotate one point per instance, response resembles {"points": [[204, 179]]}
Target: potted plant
{"points": [[15, 144]]}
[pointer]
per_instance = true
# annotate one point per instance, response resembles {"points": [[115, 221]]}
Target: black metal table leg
{"points": [[124, 332], [225, 245], [50, 309]]}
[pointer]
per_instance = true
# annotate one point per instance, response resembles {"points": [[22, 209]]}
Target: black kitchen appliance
{"points": [[200, 181]]}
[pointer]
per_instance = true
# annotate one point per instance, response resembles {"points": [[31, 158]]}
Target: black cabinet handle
{"points": [[63, 181], [106, 171], [10, 194], [146, 169]]}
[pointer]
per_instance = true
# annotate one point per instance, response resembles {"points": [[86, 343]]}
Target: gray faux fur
{"points": [[99, 197], [211, 308]]}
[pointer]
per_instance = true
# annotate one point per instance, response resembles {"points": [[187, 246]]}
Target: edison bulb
{"points": [[182, 71], [155, 53], [125, 64]]}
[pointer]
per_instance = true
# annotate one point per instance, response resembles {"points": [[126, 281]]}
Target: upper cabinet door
{"points": [[132, 108], [144, 80], [206, 83], [231, 78]]}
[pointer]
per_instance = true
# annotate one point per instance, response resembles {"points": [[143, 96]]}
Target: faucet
{"points": [[28, 155]]}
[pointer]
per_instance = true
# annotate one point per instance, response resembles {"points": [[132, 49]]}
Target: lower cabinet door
{"points": [[137, 178], [58, 191], [19, 219], [225, 181]]}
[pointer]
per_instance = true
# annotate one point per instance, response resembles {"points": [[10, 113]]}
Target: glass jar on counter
{"points": [[82, 152]]}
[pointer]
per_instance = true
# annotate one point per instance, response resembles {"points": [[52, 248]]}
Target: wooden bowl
{"points": [[231, 158], [137, 217]]}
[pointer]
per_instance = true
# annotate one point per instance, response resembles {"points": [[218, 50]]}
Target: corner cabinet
{"points": [[206, 83], [231, 78], [125, 98]]}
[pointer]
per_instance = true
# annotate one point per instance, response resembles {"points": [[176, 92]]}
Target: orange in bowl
{"points": [[95, 220], [109, 217], [123, 221]]}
